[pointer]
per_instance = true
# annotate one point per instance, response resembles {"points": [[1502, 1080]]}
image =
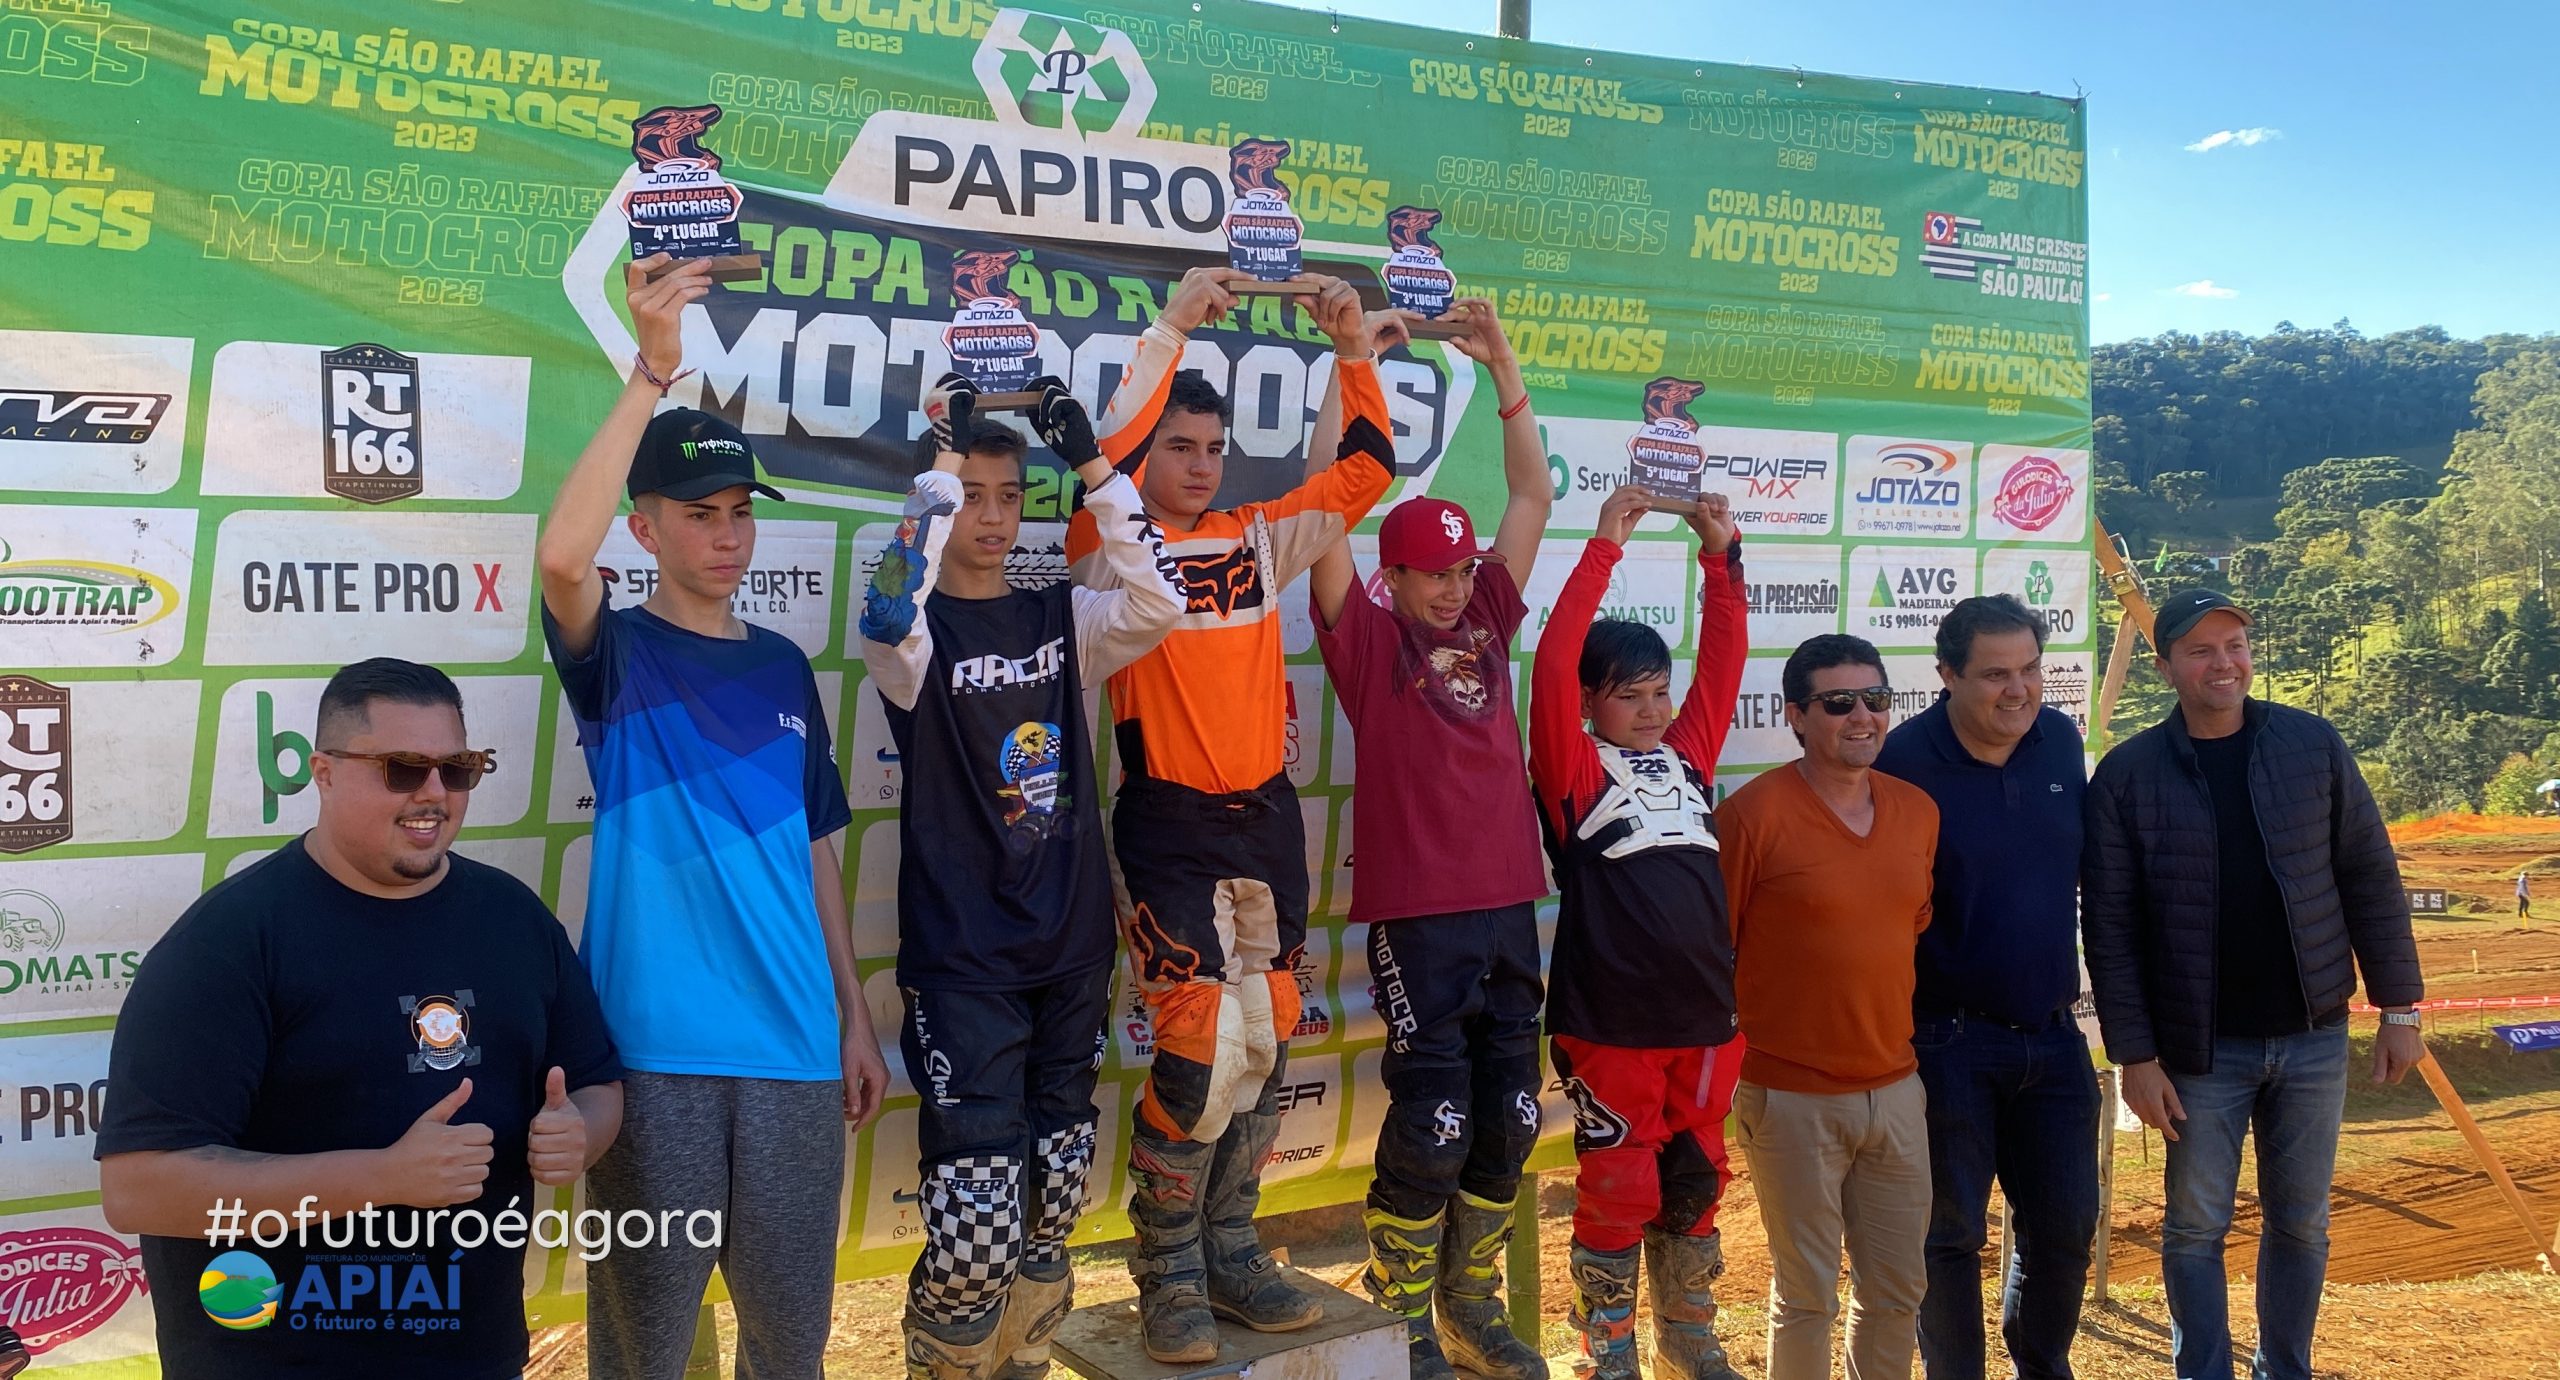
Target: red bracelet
{"points": [[651, 375], [1514, 410]]}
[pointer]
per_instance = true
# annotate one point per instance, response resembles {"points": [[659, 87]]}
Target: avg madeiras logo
{"points": [[80, 416], [35, 764], [369, 445]]}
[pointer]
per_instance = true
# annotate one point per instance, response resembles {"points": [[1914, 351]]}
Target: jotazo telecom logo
{"points": [[1062, 74]]}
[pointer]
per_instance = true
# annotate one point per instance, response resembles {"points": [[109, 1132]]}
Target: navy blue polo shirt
{"points": [[2004, 928]]}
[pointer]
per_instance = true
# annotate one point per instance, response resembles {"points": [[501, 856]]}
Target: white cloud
{"points": [[2238, 138], [2105, 297], [2205, 287]]}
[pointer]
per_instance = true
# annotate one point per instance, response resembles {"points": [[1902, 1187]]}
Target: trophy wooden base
{"points": [[725, 268], [1022, 401], [1437, 330], [1683, 504], [1246, 285]]}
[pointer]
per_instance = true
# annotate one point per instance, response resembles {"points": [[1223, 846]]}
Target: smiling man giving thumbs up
{"points": [[341, 1077]]}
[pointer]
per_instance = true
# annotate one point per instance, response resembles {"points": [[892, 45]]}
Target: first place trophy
{"points": [[1263, 232], [682, 207]]}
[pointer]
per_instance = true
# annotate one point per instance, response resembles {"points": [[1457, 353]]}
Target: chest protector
{"points": [[1653, 800]]}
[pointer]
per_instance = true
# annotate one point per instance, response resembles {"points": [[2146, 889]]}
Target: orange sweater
{"points": [[1824, 927]]}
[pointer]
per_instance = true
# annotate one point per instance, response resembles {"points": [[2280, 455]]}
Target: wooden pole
{"points": [[2111, 688], [2104, 1246], [1522, 1264], [2442, 1086]]}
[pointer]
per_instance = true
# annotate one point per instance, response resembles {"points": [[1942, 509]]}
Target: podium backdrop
{"points": [[311, 304]]}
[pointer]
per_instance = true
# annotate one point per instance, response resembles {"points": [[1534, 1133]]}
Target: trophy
{"points": [[992, 344], [1262, 232], [1415, 278], [682, 207], [1664, 454]]}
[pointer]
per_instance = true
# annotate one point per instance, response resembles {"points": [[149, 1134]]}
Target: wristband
{"points": [[651, 375], [1514, 410]]}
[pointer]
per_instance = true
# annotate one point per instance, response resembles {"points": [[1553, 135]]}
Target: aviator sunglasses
{"points": [[405, 772], [1837, 703]]}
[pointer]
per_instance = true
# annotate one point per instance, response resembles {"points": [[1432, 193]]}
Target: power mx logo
{"points": [[1063, 74]]}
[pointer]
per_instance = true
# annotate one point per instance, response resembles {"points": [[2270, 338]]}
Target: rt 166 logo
{"points": [[369, 424], [35, 764]]}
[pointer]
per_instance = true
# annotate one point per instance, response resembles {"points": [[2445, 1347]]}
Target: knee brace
{"points": [[1062, 1162], [1215, 1048], [972, 1211], [1691, 1187], [1507, 1115]]}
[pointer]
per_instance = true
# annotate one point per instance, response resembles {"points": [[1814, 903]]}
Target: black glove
{"points": [[1062, 423], [951, 408]]}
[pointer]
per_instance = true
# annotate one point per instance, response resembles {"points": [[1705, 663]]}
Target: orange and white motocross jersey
{"points": [[1207, 708]]}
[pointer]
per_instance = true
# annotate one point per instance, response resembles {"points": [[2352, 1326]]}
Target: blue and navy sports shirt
{"points": [[713, 775]]}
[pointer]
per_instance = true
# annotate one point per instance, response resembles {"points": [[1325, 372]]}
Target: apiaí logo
{"points": [[239, 1292]]}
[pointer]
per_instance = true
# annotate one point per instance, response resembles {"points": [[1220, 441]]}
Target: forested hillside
{"points": [[2388, 507]]}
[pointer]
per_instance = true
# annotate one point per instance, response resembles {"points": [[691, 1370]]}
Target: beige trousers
{"points": [[1832, 1169]]}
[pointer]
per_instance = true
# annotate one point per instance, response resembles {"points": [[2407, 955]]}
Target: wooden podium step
{"points": [[1355, 1340]]}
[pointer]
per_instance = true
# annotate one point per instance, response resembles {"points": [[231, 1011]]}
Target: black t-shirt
{"points": [[2257, 979], [1003, 884], [287, 1014]]}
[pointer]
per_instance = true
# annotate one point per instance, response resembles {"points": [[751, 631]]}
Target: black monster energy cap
{"points": [[688, 454]]}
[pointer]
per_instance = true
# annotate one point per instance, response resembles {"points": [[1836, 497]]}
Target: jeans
{"points": [[2023, 1107], [2291, 1090]]}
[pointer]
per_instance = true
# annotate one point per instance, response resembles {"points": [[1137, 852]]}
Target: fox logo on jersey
{"points": [[1219, 584]]}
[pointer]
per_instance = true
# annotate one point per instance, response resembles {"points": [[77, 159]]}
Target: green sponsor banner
{"points": [[312, 304]]}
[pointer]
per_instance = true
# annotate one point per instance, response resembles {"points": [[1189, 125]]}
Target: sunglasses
{"points": [[1839, 702], [405, 772]]}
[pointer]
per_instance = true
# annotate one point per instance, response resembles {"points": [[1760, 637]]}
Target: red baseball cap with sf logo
{"points": [[1428, 534]]}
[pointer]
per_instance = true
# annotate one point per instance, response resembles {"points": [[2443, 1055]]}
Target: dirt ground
{"points": [[2430, 1272]]}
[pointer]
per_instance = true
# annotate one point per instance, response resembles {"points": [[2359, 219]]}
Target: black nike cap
{"points": [[2177, 615]]}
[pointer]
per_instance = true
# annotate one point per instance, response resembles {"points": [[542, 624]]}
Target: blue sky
{"points": [[2405, 171]]}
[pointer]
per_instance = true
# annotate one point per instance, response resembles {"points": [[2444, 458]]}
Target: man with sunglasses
{"points": [[715, 925], [1827, 869], [360, 1025], [2011, 1090]]}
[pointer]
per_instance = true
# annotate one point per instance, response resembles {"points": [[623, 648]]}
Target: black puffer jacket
{"points": [[2150, 882]]}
